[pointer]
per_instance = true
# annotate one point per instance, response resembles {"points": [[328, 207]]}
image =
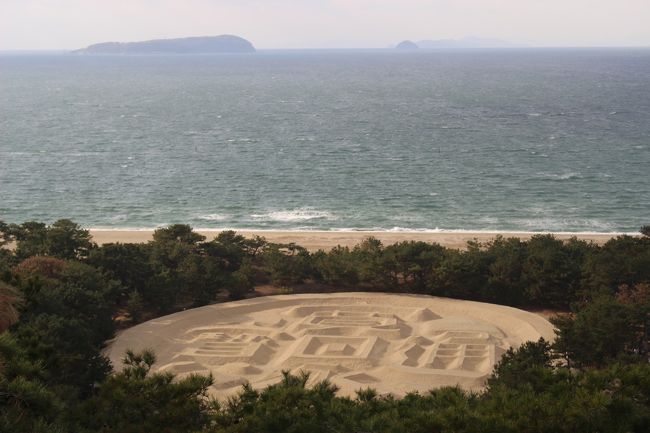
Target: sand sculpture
{"points": [[393, 343]]}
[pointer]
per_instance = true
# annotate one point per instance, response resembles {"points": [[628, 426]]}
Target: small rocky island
{"points": [[193, 45], [407, 45]]}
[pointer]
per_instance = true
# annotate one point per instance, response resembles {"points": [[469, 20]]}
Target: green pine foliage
{"points": [[136, 400], [62, 297]]}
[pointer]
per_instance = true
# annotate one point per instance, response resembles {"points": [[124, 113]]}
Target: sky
{"points": [[70, 24]]}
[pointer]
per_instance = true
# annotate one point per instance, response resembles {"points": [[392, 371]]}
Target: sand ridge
{"points": [[393, 343]]}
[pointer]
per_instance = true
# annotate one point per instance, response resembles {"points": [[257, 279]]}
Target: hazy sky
{"points": [[66, 24]]}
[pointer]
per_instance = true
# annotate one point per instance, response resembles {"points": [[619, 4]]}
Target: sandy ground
{"points": [[393, 343], [326, 240]]}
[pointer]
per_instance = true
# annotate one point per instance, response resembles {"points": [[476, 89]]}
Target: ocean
{"points": [[511, 140]]}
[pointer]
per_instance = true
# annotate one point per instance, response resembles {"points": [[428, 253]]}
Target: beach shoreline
{"points": [[326, 240]]}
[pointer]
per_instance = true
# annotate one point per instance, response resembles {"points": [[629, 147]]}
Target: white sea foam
{"points": [[303, 214], [566, 176], [118, 218], [488, 220], [213, 217], [530, 231], [406, 229], [560, 176]]}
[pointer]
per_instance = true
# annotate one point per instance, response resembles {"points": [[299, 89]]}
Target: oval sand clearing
{"points": [[392, 343]]}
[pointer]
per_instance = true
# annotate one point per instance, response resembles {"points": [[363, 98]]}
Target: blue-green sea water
{"points": [[553, 140]]}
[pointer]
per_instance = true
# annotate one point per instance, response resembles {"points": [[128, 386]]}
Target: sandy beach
{"points": [[393, 343], [326, 240]]}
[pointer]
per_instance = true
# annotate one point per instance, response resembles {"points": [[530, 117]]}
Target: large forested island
{"points": [[63, 297], [193, 45]]}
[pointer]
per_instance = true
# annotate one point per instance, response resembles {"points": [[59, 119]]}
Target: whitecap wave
{"points": [[566, 176], [560, 176], [407, 229], [213, 217], [597, 228], [304, 214], [118, 218]]}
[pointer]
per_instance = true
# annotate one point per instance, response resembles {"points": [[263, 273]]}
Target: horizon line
{"points": [[511, 48]]}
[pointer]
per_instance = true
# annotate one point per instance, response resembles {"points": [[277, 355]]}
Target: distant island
{"points": [[407, 45], [469, 42], [193, 45]]}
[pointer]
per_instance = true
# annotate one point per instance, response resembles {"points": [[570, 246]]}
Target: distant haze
{"points": [[70, 24]]}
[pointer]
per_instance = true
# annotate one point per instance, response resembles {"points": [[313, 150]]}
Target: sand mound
{"points": [[423, 315], [393, 343]]}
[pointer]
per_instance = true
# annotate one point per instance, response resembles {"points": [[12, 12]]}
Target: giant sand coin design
{"points": [[393, 343]]}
